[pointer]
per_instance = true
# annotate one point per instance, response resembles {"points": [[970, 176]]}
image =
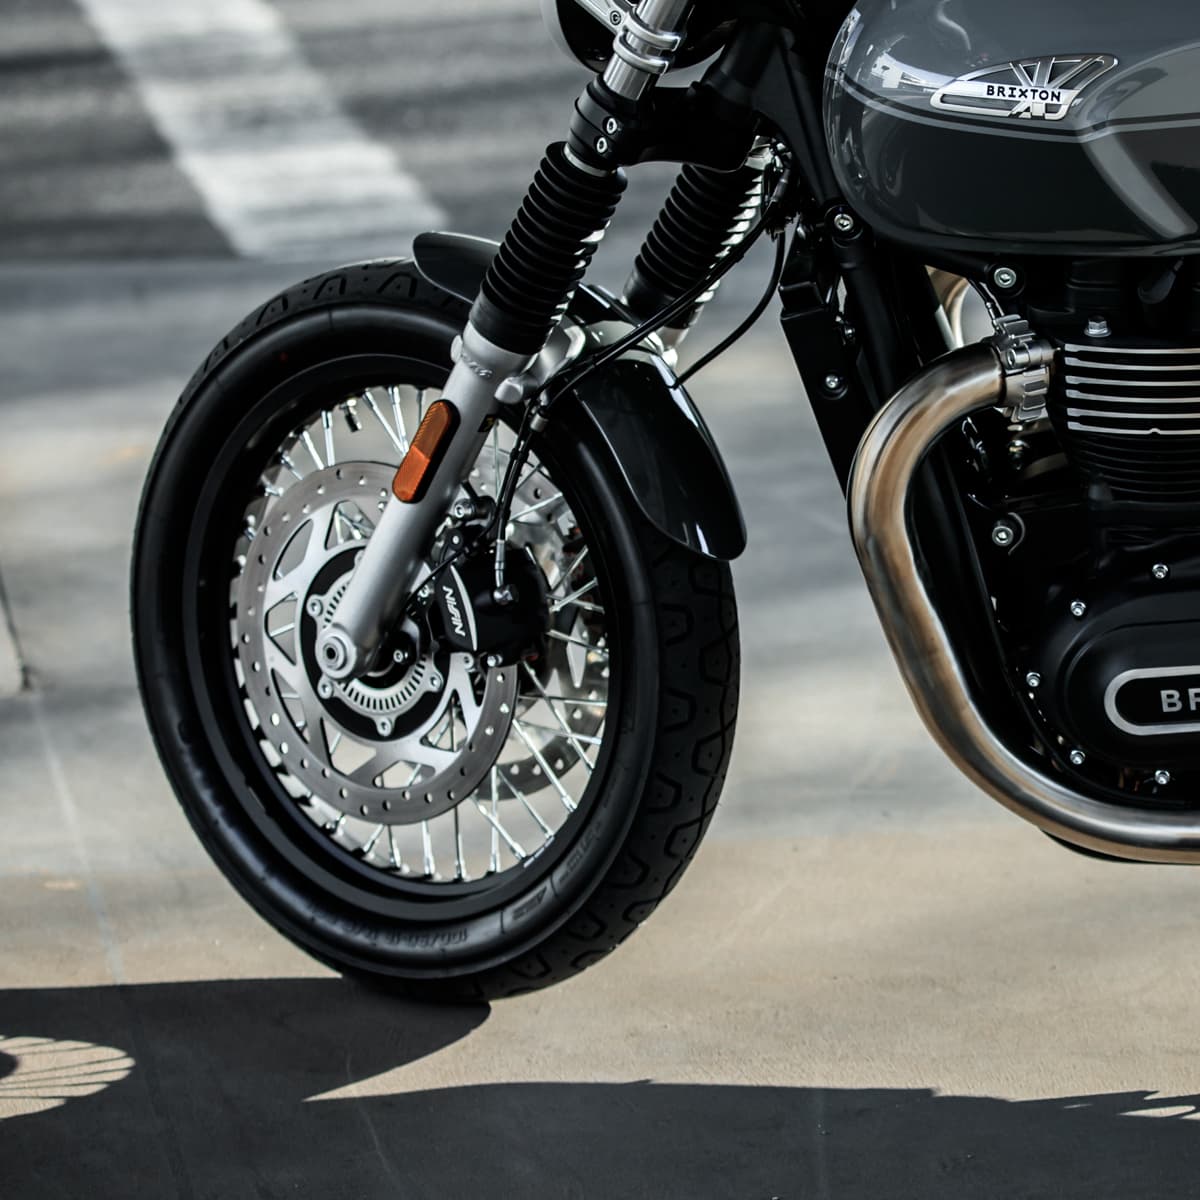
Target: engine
{"points": [[1089, 516]]}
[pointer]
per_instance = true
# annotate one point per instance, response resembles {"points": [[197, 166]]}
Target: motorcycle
{"points": [[432, 605]]}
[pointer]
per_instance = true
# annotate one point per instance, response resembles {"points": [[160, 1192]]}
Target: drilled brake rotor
{"points": [[396, 747]]}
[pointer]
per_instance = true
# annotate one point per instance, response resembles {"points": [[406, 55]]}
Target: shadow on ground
{"points": [[206, 1090]]}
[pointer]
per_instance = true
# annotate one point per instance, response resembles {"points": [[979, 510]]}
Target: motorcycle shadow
{"points": [[233, 1089]]}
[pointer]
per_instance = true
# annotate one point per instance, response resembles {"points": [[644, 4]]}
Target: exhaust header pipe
{"points": [[880, 489]]}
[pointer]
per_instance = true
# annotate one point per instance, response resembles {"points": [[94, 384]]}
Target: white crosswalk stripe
{"points": [[283, 171]]}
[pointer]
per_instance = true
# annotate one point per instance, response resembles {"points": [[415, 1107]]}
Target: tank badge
{"points": [[1034, 89]]}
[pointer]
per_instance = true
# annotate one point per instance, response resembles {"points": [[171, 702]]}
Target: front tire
{"points": [[653, 770]]}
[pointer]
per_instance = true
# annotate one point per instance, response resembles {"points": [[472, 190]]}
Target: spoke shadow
{"points": [[212, 1090]]}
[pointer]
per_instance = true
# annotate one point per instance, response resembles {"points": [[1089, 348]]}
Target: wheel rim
{"points": [[437, 776]]}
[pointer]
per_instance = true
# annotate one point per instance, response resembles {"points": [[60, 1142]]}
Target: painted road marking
{"points": [[284, 172]]}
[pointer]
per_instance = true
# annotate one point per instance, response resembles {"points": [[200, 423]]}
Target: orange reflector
{"points": [[425, 452]]}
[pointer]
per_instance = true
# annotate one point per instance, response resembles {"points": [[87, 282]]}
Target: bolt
{"points": [[602, 145], [1017, 449], [834, 383], [504, 595], [493, 660], [1003, 534], [612, 126], [425, 593], [1078, 608], [1160, 571], [462, 509], [384, 725], [314, 607], [435, 681], [398, 656], [1077, 758], [1097, 327], [1161, 777], [324, 689], [843, 222], [1033, 680], [1004, 277], [615, 18]]}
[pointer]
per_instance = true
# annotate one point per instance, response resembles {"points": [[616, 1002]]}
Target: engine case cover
{"points": [[1066, 128], [1123, 684]]}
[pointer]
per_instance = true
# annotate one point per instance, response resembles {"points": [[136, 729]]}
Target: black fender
{"points": [[656, 435]]}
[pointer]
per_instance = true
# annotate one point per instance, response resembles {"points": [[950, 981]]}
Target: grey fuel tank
{"points": [[1048, 126]]}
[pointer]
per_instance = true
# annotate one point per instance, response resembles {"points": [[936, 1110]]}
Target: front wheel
{"points": [[460, 829]]}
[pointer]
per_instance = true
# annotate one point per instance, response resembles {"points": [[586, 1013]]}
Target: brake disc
{"points": [[401, 745]]}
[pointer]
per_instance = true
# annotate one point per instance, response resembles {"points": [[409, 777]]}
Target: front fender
{"points": [[658, 440]]}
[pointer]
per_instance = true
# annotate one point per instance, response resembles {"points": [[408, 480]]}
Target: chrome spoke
{"points": [[493, 820], [533, 508], [393, 436], [327, 426], [565, 796], [574, 641], [574, 599], [569, 570], [401, 430], [310, 446], [572, 737]]}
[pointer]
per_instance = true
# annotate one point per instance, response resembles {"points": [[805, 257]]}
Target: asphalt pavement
{"points": [[871, 984]]}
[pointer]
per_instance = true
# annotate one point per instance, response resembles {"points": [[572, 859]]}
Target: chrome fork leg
{"points": [[393, 558]]}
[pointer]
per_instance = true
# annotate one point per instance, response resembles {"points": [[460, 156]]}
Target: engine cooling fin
{"points": [[1129, 418]]}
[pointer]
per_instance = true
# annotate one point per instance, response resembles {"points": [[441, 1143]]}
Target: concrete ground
{"points": [[871, 984]]}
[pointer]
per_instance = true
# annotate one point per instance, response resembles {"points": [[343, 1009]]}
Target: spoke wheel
{"points": [[455, 829]]}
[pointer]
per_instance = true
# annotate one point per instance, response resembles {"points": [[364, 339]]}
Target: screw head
{"points": [[615, 18], [1077, 758], [435, 681], [1078, 608], [1033, 680], [834, 383], [843, 222], [384, 725], [1161, 777], [602, 145], [1003, 534], [324, 689], [493, 660], [398, 656], [612, 126], [1004, 277], [314, 607], [1160, 571], [1097, 327]]}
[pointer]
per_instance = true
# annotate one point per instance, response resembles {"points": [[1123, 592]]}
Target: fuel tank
{"points": [[1043, 126]]}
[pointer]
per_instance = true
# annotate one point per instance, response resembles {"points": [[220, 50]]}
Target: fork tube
{"points": [[524, 296]]}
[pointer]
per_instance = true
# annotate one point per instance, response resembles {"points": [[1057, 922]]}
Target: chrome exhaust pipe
{"points": [[880, 490]]}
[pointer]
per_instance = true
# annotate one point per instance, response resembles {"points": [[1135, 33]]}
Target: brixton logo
{"points": [[1034, 89]]}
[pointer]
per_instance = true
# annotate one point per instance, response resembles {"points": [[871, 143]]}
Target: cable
{"points": [[748, 323], [661, 318]]}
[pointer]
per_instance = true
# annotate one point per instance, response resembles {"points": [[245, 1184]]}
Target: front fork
{"points": [[523, 299]]}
